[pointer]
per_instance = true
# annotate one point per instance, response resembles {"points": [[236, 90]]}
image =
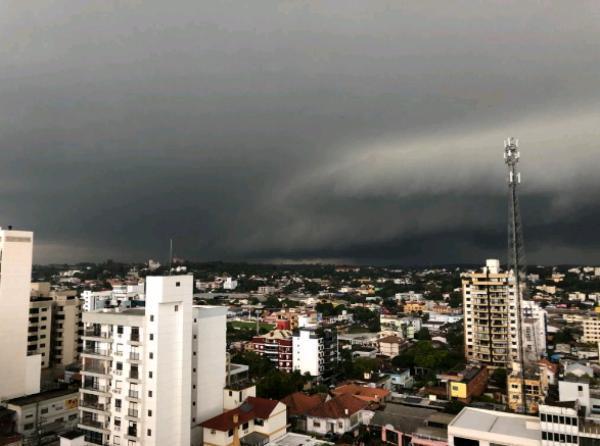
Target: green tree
{"points": [[423, 334]]}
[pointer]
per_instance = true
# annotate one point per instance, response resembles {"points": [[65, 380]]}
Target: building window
{"points": [[151, 355], [151, 336], [177, 283], [176, 307], [150, 374], [119, 329], [28, 426], [151, 318], [149, 393], [44, 410], [149, 432], [230, 432], [149, 413], [259, 422], [245, 426]]}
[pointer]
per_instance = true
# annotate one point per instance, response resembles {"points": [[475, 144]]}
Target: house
{"points": [[368, 394], [298, 405], [401, 379], [403, 425], [465, 385], [341, 414], [255, 423]]}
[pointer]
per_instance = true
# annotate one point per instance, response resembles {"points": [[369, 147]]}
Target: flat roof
{"points": [[498, 423], [294, 439], [42, 396]]}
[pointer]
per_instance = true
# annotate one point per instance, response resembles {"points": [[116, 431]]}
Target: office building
{"points": [[20, 372]]}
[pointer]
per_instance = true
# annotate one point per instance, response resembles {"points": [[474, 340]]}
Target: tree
{"points": [[276, 384], [498, 377], [258, 365], [325, 308], [272, 302], [423, 334]]}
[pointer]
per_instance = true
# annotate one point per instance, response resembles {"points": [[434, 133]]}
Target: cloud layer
{"points": [[348, 130]]}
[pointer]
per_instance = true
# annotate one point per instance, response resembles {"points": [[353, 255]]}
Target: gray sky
{"points": [[363, 131]]}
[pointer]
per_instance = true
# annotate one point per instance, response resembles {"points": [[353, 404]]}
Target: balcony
{"points": [[90, 423], [94, 405], [133, 413], [102, 354], [133, 395], [96, 369], [91, 387], [134, 356], [97, 334]]}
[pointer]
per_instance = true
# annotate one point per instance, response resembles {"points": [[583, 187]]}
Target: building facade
{"points": [[490, 315], [315, 351], [20, 372], [277, 347]]}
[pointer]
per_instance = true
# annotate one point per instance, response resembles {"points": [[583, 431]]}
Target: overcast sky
{"points": [[350, 131]]}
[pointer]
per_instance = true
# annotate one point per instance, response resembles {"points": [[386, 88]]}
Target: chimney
{"points": [[347, 412]]}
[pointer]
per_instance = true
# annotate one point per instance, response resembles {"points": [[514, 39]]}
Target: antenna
{"points": [[170, 256], [516, 250]]}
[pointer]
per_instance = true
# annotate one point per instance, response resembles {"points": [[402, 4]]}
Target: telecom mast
{"points": [[516, 249]]}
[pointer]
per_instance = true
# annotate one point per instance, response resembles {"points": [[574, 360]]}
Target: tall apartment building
{"points": [[54, 325], [277, 347], [490, 315], [19, 372], [39, 335], [315, 351], [149, 374]]}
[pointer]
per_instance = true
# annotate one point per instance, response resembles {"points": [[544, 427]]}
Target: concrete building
{"points": [[534, 329], [490, 315], [534, 392], [20, 372], [66, 327], [277, 347], [150, 375], [392, 346], [339, 415], [39, 335], [465, 385], [479, 427], [96, 300], [315, 351], [591, 329], [43, 415]]}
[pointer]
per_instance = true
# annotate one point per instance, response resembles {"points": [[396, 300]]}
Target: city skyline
{"points": [[368, 133]]}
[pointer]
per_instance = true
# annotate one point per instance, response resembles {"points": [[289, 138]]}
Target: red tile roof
{"points": [[251, 408], [341, 406], [362, 392], [300, 403]]}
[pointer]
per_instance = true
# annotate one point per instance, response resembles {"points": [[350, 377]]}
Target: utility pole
{"points": [[516, 249]]}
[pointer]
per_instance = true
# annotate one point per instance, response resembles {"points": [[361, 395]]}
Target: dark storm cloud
{"points": [[347, 130]]}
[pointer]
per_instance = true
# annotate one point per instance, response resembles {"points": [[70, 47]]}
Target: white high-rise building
{"points": [[19, 373], [315, 351], [150, 373]]}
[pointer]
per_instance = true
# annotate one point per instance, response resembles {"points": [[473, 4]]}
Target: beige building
{"points": [[54, 325], [39, 336], [534, 393], [489, 303], [391, 346], [591, 330]]}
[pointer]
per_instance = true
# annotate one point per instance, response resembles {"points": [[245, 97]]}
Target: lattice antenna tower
{"points": [[516, 248]]}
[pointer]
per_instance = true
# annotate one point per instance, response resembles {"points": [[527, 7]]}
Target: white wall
{"points": [[306, 353], [16, 248]]}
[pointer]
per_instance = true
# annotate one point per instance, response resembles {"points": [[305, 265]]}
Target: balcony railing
{"points": [[133, 394], [97, 334], [93, 423], [95, 387], [96, 351], [93, 405], [96, 369], [132, 413], [134, 356]]}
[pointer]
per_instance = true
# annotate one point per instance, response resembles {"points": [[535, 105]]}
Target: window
{"points": [[44, 410], [149, 393], [151, 318], [177, 283], [149, 432], [72, 417], [117, 440], [316, 423], [150, 374], [151, 336], [176, 307], [151, 355], [261, 422], [230, 432], [543, 417], [245, 425], [28, 426], [119, 329], [149, 413]]}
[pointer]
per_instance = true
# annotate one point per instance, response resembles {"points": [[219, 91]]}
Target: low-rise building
{"points": [[466, 384], [256, 422], [392, 346], [342, 414], [45, 414], [534, 392], [480, 427]]}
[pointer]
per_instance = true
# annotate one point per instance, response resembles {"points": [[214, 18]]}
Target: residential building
{"points": [[298, 405], [392, 346], [39, 335], [43, 415], [230, 284], [339, 415], [416, 426], [96, 300], [490, 314], [405, 327], [66, 327], [463, 386], [534, 329], [277, 347], [414, 306], [534, 392], [372, 395], [138, 369], [315, 351], [591, 329], [20, 372], [482, 427], [256, 422]]}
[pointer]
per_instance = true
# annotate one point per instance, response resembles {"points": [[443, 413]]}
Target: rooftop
{"points": [[498, 423], [42, 396]]}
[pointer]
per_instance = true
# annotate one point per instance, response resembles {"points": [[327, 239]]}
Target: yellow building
{"points": [[534, 393], [414, 307]]}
